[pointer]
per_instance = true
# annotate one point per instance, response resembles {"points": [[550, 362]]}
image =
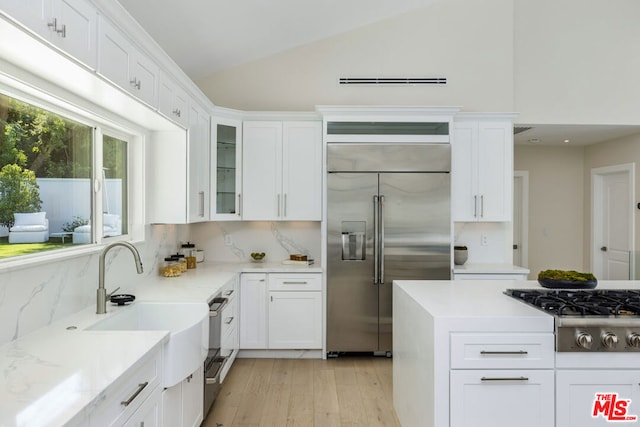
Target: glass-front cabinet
{"points": [[227, 179]]}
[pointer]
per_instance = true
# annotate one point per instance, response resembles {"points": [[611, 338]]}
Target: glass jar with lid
{"points": [[170, 267]]}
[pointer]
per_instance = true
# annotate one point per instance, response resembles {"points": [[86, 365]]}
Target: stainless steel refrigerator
{"points": [[388, 218]]}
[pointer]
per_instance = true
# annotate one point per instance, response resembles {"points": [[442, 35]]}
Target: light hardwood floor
{"points": [[346, 392]]}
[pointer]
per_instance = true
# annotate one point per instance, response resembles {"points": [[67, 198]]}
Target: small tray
{"points": [[122, 299], [567, 284]]}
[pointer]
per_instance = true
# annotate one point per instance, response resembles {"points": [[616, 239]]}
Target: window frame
{"points": [[62, 104]]}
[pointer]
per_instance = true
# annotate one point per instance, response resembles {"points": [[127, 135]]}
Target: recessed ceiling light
{"points": [[534, 140], [566, 141]]}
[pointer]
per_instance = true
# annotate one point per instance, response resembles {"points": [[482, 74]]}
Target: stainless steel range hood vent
{"points": [[393, 81]]}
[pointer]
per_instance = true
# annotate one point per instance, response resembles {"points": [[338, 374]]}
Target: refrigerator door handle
{"points": [[375, 239], [381, 244]]}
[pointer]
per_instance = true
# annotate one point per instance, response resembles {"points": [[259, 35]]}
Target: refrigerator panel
{"points": [[416, 222], [352, 296]]}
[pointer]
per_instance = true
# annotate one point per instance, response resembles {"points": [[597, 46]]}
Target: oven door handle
{"points": [[216, 312]]}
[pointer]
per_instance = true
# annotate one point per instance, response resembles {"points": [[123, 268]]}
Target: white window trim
{"points": [[136, 137]]}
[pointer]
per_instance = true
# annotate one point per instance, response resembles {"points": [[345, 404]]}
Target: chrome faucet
{"points": [[102, 292]]}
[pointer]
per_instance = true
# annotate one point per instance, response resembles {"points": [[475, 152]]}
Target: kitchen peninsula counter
{"points": [[55, 376]]}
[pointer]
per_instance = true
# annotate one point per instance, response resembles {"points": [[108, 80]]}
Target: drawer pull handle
{"points": [[134, 395], [228, 293], [504, 379], [522, 352], [294, 283], [229, 320]]}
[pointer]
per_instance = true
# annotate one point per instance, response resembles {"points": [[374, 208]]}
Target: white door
{"points": [[612, 221]]}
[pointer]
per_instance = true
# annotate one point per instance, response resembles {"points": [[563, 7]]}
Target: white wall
{"points": [[576, 61], [556, 206], [467, 41]]}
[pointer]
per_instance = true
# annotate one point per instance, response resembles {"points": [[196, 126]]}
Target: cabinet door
{"points": [[172, 100], [192, 399], [144, 78], [302, 171], [226, 169], [577, 397], [262, 171], [253, 311], [149, 414], [76, 32], [495, 171], [502, 398], [115, 54], [198, 170], [464, 170], [295, 320], [33, 14]]}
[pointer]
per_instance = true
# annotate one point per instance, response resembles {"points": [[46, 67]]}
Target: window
{"points": [[56, 172]]}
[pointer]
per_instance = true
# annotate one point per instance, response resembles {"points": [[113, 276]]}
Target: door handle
{"points": [[381, 221], [603, 249], [515, 247], [375, 240]]}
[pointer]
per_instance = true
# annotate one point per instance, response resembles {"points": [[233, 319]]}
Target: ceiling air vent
{"points": [[520, 129], [393, 81]]}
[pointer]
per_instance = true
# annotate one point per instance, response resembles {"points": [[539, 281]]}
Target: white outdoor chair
{"points": [[29, 228], [111, 224]]}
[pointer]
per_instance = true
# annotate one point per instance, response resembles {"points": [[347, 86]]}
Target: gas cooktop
{"points": [[594, 320]]}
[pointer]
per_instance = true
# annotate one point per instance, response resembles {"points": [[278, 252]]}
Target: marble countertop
{"points": [[489, 269], [55, 375]]}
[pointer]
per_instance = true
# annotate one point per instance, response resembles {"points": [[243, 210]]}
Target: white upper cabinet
{"points": [[120, 62], [198, 186], [178, 172], [68, 24], [226, 169], [172, 100], [482, 169], [282, 170]]}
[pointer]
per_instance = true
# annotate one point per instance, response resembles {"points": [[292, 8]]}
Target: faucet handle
{"points": [[112, 292]]}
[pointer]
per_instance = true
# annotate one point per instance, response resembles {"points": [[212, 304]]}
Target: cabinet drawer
{"points": [[230, 289], [502, 351], [128, 394], [229, 320], [295, 282]]}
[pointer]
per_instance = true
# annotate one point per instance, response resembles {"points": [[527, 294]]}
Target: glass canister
{"points": [[182, 260], [186, 248], [170, 267], [191, 259]]}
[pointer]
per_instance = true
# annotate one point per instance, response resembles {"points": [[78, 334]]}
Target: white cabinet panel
{"points": [[193, 399], [68, 24], [253, 311], [500, 351], [120, 62], [282, 170], [576, 396], [295, 320], [482, 170], [502, 398], [149, 414], [198, 188], [172, 100]]}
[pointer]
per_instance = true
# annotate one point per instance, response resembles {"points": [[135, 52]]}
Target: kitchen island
{"points": [[466, 354]]}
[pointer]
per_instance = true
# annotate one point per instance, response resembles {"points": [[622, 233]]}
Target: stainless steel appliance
{"points": [[214, 362], [388, 218], [589, 320]]}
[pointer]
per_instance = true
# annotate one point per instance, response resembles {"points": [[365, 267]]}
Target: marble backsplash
{"points": [[35, 296]]}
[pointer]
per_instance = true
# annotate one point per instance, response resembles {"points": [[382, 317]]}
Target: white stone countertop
{"points": [[489, 269], [482, 306], [54, 376]]}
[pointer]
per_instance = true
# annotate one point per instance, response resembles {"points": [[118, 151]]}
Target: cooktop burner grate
{"points": [[592, 302]]}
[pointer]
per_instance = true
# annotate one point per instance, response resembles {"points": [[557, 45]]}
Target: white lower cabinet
{"points": [[610, 395], [182, 404], [137, 396], [281, 311], [502, 398], [501, 379], [149, 414]]}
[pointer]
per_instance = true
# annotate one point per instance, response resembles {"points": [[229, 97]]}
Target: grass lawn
{"points": [[15, 249]]}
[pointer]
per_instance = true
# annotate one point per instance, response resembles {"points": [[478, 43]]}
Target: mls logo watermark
{"points": [[612, 408]]}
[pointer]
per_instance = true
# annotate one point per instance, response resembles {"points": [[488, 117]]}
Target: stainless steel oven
{"points": [[214, 362]]}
